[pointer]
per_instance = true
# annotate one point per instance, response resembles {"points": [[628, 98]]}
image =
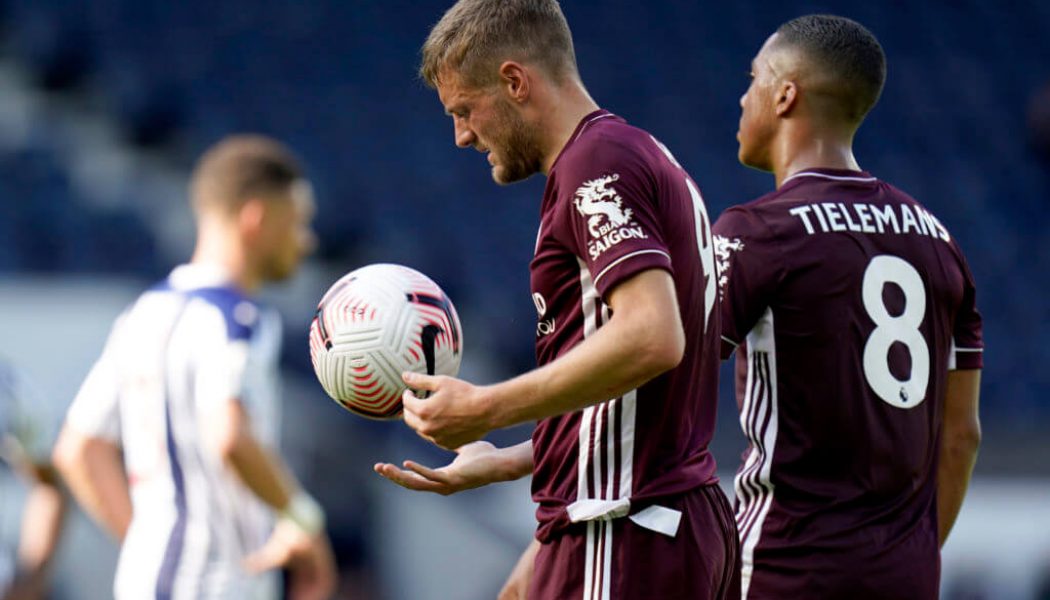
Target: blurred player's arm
{"points": [[42, 520], [643, 338], [25, 447], [261, 471], [298, 540], [87, 452], [476, 464], [93, 469], [960, 438]]}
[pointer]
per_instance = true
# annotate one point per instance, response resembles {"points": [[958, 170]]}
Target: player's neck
{"points": [[225, 252], [813, 149], [570, 105]]}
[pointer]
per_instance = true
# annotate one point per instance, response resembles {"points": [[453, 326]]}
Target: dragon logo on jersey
{"points": [[607, 221], [724, 249], [599, 202]]}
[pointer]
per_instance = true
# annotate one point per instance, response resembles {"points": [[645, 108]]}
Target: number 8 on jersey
{"points": [[903, 328]]}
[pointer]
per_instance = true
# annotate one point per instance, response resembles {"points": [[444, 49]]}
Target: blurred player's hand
{"points": [[308, 559], [453, 414], [475, 465], [517, 586]]}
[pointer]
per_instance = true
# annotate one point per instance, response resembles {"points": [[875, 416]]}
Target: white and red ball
{"points": [[375, 323]]}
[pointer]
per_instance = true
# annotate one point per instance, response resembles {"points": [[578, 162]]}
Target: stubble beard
{"points": [[519, 154], [277, 269]]}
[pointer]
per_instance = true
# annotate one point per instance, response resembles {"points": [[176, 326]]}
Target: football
{"points": [[375, 323]]}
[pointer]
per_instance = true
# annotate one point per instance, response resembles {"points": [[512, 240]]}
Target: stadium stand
{"points": [[337, 81]]}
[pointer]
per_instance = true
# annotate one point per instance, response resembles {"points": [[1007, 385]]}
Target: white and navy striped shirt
{"points": [[176, 356]]}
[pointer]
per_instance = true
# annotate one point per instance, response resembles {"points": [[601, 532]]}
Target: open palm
{"points": [[476, 464]]}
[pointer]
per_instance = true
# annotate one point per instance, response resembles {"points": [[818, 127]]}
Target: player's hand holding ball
{"points": [[449, 412]]}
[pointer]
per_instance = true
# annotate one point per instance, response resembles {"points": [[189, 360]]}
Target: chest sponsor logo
{"points": [[724, 250], [543, 326], [608, 222]]}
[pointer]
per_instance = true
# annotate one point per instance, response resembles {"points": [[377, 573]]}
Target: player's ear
{"points": [[514, 79], [251, 215], [786, 97]]}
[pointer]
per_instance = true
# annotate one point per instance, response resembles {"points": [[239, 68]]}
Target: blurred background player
{"points": [[186, 389], [860, 345], [25, 449], [625, 400]]}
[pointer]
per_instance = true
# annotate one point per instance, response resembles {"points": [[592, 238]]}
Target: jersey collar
{"points": [[591, 118], [198, 275], [832, 175]]}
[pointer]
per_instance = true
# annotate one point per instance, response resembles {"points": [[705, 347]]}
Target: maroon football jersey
{"points": [[849, 303], [616, 204]]}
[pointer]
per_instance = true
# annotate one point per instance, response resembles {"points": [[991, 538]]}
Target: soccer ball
{"points": [[375, 323]]}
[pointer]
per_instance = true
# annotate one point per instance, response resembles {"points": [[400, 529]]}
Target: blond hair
{"points": [[475, 36], [240, 167]]}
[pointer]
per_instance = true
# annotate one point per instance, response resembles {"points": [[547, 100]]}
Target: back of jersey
{"points": [[174, 359], [849, 302]]}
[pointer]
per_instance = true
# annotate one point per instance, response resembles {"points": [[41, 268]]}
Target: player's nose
{"points": [[464, 136]]}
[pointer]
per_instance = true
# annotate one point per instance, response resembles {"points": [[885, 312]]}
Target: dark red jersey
{"points": [[616, 204], [849, 302]]}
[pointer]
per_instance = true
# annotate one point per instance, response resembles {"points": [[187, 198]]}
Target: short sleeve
{"points": [[95, 410], [613, 215], [749, 268], [967, 350], [221, 364], [239, 361]]}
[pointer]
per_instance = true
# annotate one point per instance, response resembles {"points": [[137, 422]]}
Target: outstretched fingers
{"points": [[428, 473], [410, 479]]}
